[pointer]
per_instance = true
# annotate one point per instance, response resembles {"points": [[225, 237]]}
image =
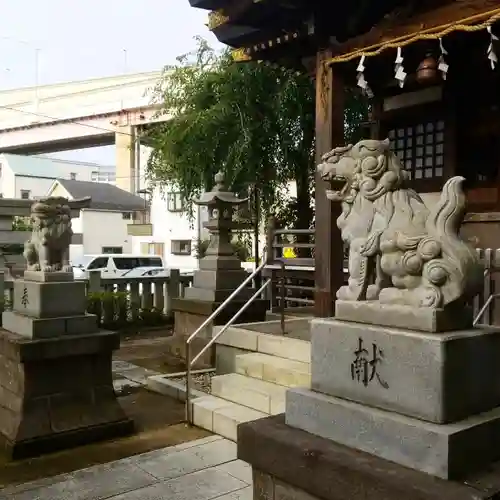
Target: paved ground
{"points": [[205, 469]]}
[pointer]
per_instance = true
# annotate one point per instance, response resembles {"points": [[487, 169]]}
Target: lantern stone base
{"points": [[57, 393], [189, 314], [291, 464]]}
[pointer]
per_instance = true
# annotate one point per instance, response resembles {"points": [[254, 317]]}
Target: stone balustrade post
{"points": [[173, 290], [94, 281]]}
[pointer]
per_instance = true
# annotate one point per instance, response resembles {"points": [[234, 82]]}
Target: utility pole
{"points": [[37, 78]]}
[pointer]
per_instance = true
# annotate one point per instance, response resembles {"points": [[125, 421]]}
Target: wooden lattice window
{"points": [[420, 148]]}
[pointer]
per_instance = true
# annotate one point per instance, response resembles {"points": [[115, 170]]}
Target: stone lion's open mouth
{"points": [[340, 188]]}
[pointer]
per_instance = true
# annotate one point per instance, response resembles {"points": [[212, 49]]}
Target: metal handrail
{"points": [[219, 309], [227, 301], [490, 299], [189, 362]]}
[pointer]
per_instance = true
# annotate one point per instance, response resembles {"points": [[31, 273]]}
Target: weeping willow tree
{"points": [[253, 122]]}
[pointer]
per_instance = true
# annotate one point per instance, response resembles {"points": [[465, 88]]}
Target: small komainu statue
{"points": [[48, 248], [400, 252]]}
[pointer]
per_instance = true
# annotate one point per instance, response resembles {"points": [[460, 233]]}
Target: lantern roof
{"points": [[219, 193]]}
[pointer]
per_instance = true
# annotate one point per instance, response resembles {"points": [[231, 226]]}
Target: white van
{"points": [[117, 265]]}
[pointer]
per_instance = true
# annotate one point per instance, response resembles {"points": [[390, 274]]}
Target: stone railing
{"points": [[144, 293], [157, 292]]}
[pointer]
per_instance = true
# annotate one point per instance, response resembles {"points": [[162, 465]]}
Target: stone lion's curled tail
{"points": [[457, 271]]}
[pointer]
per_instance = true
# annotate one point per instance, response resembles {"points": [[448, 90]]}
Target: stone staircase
{"points": [[265, 365]]}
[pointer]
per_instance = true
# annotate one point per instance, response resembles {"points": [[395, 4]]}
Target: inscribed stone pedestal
{"points": [[435, 377]]}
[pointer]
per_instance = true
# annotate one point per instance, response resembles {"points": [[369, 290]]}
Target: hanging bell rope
{"points": [[434, 33]]}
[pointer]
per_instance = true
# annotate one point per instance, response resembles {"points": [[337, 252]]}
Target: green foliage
{"points": [[114, 311], [254, 122], [22, 224], [241, 249]]}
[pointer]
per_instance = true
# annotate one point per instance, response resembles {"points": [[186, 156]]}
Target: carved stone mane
{"points": [[400, 252], [48, 248]]}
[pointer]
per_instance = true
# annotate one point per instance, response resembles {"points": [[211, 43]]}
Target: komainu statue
{"points": [[48, 248], [400, 252]]}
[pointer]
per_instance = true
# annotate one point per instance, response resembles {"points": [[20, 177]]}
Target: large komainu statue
{"points": [[48, 248], [400, 252]]}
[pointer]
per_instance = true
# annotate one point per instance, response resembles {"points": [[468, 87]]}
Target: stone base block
{"points": [[48, 277], [49, 299], [448, 451], [44, 328], [220, 262], [422, 319], [57, 393], [290, 464], [220, 278], [435, 377]]}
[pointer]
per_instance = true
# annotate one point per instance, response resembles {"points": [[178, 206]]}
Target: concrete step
{"points": [[285, 347], [281, 371], [250, 392], [221, 416], [275, 345]]}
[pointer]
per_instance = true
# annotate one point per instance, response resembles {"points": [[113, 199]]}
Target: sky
{"points": [[82, 39]]}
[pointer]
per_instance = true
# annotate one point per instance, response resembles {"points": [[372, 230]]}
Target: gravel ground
{"points": [[201, 381]]}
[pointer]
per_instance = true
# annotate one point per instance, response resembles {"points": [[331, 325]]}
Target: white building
{"points": [[173, 236], [171, 233], [32, 176], [104, 226]]}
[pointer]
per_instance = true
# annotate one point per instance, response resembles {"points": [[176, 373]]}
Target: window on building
{"points": [[420, 148], [94, 176], [181, 247], [112, 250], [153, 248], [127, 215], [25, 194], [72, 176], [175, 203]]}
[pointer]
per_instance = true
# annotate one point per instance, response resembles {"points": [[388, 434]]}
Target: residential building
{"points": [[104, 225], [171, 234], [30, 177]]}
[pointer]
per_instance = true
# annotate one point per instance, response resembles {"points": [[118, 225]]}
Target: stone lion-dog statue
{"points": [[400, 251], [48, 248]]}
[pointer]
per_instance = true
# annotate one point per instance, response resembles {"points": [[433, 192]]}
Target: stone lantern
{"points": [[220, 269], [219, 274]]}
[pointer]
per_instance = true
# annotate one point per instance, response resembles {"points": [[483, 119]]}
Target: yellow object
{"points": [[289, 253]]}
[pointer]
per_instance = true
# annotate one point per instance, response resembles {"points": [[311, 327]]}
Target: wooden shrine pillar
{"points": [[329, 134]]}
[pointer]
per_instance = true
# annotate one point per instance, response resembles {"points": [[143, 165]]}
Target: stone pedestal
{"points": [[291, 464], [46, 305], [56, 387], [57, 393], [427, 401], [390, 411]]}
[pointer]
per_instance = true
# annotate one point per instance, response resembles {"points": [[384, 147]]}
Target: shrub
{"points": [[241, 249], [114, 310]]}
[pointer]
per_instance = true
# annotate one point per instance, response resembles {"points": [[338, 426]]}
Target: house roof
{"points": [[104, 196], [40, 166]]}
